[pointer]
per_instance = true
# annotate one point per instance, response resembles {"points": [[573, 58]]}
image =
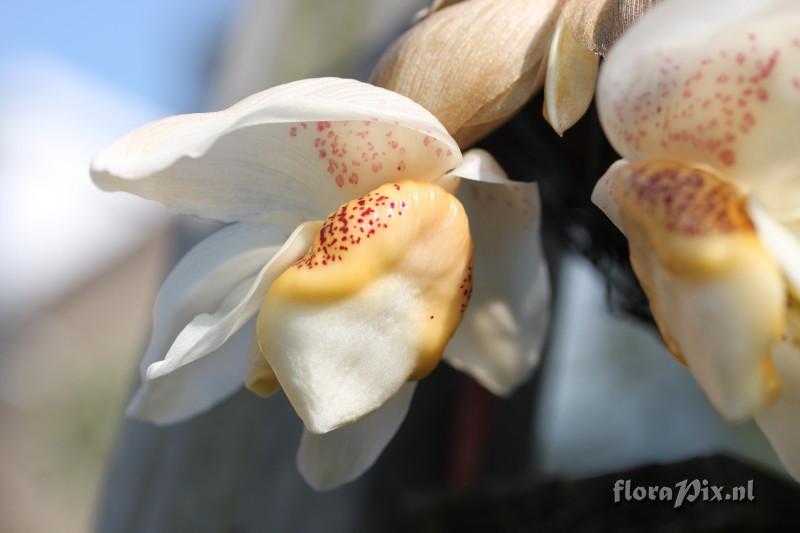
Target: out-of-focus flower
{"points": [[702, 99], [353, 309], [474, 63]]}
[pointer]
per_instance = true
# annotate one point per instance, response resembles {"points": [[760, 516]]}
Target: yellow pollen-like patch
{"points": [[407, 234]]}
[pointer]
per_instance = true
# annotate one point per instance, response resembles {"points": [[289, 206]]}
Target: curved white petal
{"points": [[205, 275], [205, 300], [781, 242], [209, 330], [332, 459], [712, 82], [779, 421], [501, 335], [196, 387], [602, 194], [295, 152], [479, 165]]}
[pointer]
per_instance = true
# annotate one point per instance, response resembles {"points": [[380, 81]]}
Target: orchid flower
{"points": [[702, 100], [347, 311], [493, 55]]}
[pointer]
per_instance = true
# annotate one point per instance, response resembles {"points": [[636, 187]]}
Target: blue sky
{"points": [[160, 50]]}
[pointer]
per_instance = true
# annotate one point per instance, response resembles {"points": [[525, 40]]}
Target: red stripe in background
{"points": [[469, 434]]}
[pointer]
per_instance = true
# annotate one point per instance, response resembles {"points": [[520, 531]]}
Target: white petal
{"points": [[479, 165], [332, 459], [296, 151], [205, 300], [500, 338], [208, 331], [781, 242], [205, 275], [712, 82], [602, 195], [196, 387], [779, 421]]}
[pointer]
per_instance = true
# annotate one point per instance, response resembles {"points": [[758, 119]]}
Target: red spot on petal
{"points": [[727, 157]]}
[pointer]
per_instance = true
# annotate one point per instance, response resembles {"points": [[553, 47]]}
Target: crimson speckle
{"points": [[684, 200], [342, 230], [667, 111], [727, 157]]}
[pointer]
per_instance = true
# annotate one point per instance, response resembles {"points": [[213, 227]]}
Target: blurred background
{"points": [[79, 269]]}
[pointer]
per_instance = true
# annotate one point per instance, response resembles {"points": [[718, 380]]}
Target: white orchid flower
{"points": [[702, 99], [353, 308]]}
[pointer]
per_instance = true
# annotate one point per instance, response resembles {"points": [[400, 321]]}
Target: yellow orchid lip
{"points": [[396, 260], [716, 292], [366, 237]]}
